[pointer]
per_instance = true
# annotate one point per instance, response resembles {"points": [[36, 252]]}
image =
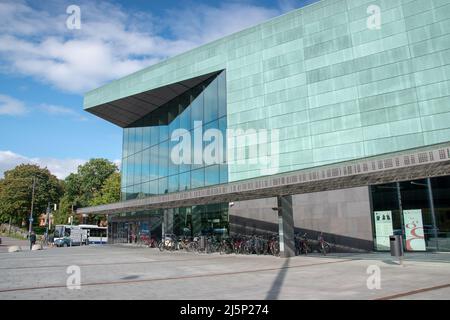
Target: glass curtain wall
{"points": [[147, 168], [192, 221], [417, 209]]}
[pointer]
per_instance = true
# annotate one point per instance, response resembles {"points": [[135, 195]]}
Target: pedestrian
{"points": [[32, 239]]}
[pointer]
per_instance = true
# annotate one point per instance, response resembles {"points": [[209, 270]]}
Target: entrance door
{"points": [[403, 208]]}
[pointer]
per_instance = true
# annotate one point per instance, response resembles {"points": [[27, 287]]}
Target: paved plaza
{"points": [[122, 272]]}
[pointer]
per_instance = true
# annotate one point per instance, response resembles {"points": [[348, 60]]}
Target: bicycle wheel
{"points": [[276, 249], [326, 249], [161, 246]]}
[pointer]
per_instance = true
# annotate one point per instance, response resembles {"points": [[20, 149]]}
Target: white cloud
{"points": [[61, 111], [11, 106], [204, 23], [59, 167], [118, 163], [111, 42], [14, 107]]}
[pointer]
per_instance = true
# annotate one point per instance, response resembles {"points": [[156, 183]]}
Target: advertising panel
{"points": [[383, 229], [415, 240]]}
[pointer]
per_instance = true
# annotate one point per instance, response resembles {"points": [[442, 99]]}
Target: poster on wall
{"points": [[383, 229], [415, 240]]}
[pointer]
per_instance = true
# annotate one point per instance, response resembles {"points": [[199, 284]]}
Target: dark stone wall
{"points": [[344, 216]]}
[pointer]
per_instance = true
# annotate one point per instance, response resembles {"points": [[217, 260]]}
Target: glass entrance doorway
{"points": [[419, 210]]}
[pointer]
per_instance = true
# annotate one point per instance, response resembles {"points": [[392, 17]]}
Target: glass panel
{"points": [[130, 164], [173, 183], [148, 146], [223, 129], [441, 192], [163, 159], [173, 168], [153, 187], [186, 167], [185, 118], [154, 135], [223, 173], [197, 148], [386, 214], [146, 165], [197, 178], [125, 143], [211, 103], [185, 181], [123, 194], [212, 175], [172, 110], [154, 163], [138, 190], [222, 95], [127, 193], [124, 172], [131, 140], [213, 151], [196, 219], [163, 187], [417, 219], [132, 193], [139, 136], [137, 168], [197, 111], [145, 137], [162, 116], [146, 189]]}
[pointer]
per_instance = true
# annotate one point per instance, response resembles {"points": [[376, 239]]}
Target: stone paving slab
{"points": [[113, 272]]}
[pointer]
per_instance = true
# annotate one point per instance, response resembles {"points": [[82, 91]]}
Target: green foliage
{"points": [[96, 182], [86, 188], [110, 191], [16, 192], [92, 175]]}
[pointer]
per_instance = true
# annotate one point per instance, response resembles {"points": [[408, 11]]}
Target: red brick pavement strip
{"points": [[413, 292]]}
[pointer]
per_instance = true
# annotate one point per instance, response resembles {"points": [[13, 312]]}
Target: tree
{"points": [[110, 191], [92, 176], [16, 192], [84, 186]]}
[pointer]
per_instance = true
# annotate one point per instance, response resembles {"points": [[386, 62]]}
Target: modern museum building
{"points": [[332, 118]]}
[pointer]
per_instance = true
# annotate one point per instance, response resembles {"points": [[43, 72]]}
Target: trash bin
{"points": [[396, 244]]}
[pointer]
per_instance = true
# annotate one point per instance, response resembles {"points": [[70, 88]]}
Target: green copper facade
{"points": [[335, 89]]}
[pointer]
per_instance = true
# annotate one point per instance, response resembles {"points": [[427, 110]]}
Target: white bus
{"points": [[81, 234], [67, 235], [95, 234]]}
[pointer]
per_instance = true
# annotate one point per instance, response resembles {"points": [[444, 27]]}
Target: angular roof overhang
{"points": [[125, 111]]}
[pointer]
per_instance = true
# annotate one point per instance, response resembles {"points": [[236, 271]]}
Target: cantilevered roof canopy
{"points": [[125, 111]]}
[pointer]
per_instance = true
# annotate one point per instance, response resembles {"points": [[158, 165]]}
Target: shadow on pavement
{"points": [[277, 284]]}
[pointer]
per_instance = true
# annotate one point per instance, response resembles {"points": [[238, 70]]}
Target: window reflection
{"points": [[405, 208], [146, 165]]}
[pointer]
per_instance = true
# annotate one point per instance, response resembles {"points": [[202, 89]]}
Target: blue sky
{"points": [[45, 68]]}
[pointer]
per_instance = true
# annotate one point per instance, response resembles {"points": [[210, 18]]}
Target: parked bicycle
{"points": [[168, 243], [148, 241], [324, 247], [302, 245]]}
